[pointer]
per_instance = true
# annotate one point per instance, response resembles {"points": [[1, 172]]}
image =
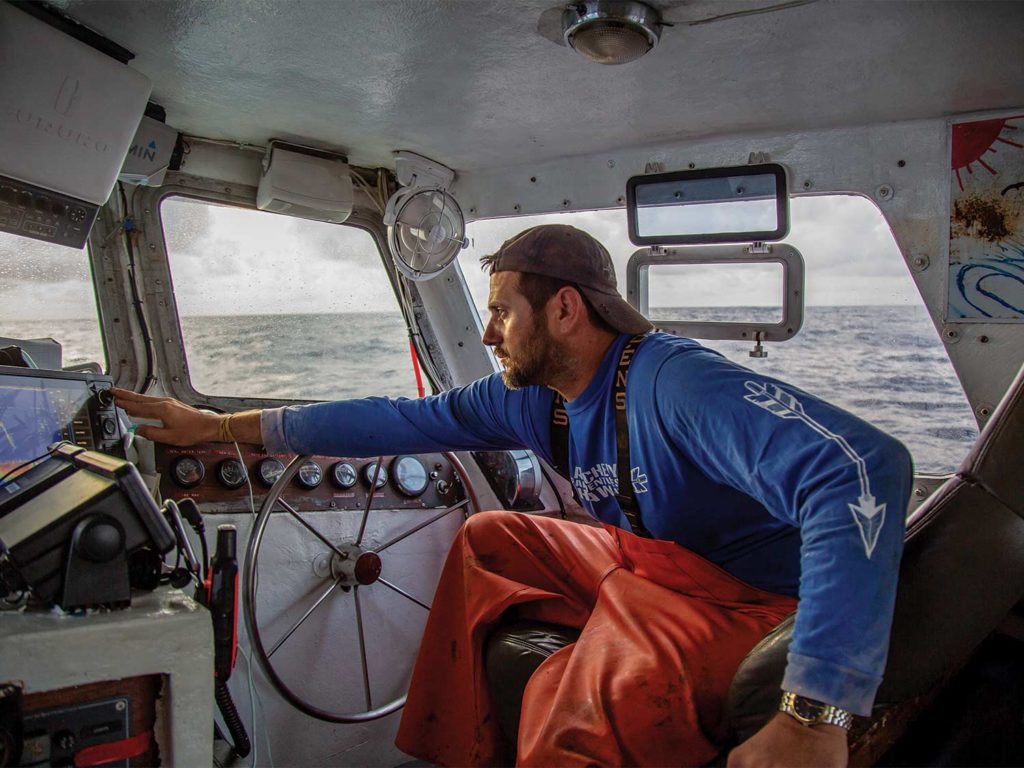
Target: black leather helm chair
{"points": [[961, 574]]}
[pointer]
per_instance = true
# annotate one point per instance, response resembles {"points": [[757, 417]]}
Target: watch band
{"points": [[811, 712]]}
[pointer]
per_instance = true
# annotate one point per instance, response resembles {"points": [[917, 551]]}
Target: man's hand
{"points": [[785, 742], [182, 424]]}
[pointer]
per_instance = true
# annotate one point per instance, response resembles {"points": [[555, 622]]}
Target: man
{"points": [[741, 494]]}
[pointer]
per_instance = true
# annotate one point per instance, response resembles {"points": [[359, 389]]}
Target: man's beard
{"points": [[542, 360]]}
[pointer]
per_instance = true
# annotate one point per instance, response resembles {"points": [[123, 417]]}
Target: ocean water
{"points": [[885, 364]]}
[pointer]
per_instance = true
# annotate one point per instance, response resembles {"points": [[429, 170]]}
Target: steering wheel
{"points": [[346, 567]]}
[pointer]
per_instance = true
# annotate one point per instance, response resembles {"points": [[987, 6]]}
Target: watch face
{"points": [[808, 709]]}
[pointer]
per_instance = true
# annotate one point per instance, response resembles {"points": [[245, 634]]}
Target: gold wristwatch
{"points": [[810, 712]]}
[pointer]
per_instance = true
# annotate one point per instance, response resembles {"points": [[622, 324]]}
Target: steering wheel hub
{"points": [[354, 566]]}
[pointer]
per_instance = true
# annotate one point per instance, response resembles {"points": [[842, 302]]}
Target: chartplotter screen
{"points": [[37, 411]]}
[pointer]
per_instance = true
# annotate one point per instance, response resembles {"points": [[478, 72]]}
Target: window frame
{"points": [[161, 308]]}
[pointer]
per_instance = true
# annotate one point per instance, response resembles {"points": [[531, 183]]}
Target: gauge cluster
{"points": [[215, 475]]}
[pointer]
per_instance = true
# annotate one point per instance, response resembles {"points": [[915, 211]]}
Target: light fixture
{"points": [[611, 31]]}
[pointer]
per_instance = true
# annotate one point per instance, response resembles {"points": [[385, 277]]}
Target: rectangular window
{"points": [[46, 294], [730, 293], [279, 307]]}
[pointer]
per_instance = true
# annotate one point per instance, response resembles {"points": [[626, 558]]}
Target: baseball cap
{"points": [[567, 253]]}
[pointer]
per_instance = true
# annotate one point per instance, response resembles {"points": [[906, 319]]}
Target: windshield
{"points": [[867, 343]]}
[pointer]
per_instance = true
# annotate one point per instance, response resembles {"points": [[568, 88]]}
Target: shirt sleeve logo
{"points": [[867, 513]]}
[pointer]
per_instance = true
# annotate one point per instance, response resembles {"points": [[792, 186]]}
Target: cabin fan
{"points": [[426, 229]]}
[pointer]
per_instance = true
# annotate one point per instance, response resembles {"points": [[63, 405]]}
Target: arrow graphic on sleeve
{"points": [[867, 512]]}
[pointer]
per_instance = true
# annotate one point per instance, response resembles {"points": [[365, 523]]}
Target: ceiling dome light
{"points": [[611, 31]]}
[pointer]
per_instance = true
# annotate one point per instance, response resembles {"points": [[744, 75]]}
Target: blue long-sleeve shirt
{"points": [[776, 486]]}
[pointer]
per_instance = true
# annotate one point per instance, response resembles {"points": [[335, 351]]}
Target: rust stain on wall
{"points": [[985, 218]]}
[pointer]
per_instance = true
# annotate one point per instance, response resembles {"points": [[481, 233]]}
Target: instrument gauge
{"points": [[410, 475], [344, 475], [231, 473], [369, 469], [269, 470], [310, 475], [188, 471]]}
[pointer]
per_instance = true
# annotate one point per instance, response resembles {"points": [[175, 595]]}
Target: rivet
{"points": [[516, 207], [885, 192], [175, 378], [152, 246], [472, 210], [565, 203], [919, 492], [920, 263], [808, 183], [620, 200], [611, 163]]}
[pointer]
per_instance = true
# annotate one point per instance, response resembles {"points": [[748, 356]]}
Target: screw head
{"points": [[885, 192]]}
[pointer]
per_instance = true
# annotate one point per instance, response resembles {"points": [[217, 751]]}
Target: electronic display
{"points": [[39, 408]]}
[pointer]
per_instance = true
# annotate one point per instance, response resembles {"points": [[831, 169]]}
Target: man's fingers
{"points": [[159, 435], [129, 396], [144, 410]]}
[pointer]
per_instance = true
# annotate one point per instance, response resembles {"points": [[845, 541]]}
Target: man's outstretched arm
{"points": [[185, 425]]}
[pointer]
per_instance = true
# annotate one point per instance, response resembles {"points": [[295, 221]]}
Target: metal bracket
{"points": [[758, 350]]}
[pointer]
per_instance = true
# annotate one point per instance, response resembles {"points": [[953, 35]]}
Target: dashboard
{"points": [[214, 475]]}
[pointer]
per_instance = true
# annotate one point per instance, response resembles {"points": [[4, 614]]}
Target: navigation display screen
{"points": [[36, 412]]}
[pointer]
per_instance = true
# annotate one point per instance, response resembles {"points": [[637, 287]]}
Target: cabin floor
{"points": [[978, 720]]}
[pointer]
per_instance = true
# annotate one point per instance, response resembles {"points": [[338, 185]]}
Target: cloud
{"points": [[849, 252], [33, 261], [227, 260]]}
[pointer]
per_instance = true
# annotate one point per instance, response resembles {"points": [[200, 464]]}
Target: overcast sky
{"points": [[232, 261]]}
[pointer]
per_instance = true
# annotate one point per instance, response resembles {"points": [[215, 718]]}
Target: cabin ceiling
{"points": [[474, 85]]}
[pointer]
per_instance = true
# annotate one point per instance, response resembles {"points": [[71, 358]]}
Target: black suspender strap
{"points": [[560, 439], [627, 493]]}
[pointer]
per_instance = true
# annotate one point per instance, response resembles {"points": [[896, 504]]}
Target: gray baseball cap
{"points": [[570, 254]]}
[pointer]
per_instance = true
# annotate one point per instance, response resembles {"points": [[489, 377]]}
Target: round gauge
{"points": [[231, 473], [369, 469], [187, 471], [410, 475], [269, 470], [310, 475], [344, 475]]}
